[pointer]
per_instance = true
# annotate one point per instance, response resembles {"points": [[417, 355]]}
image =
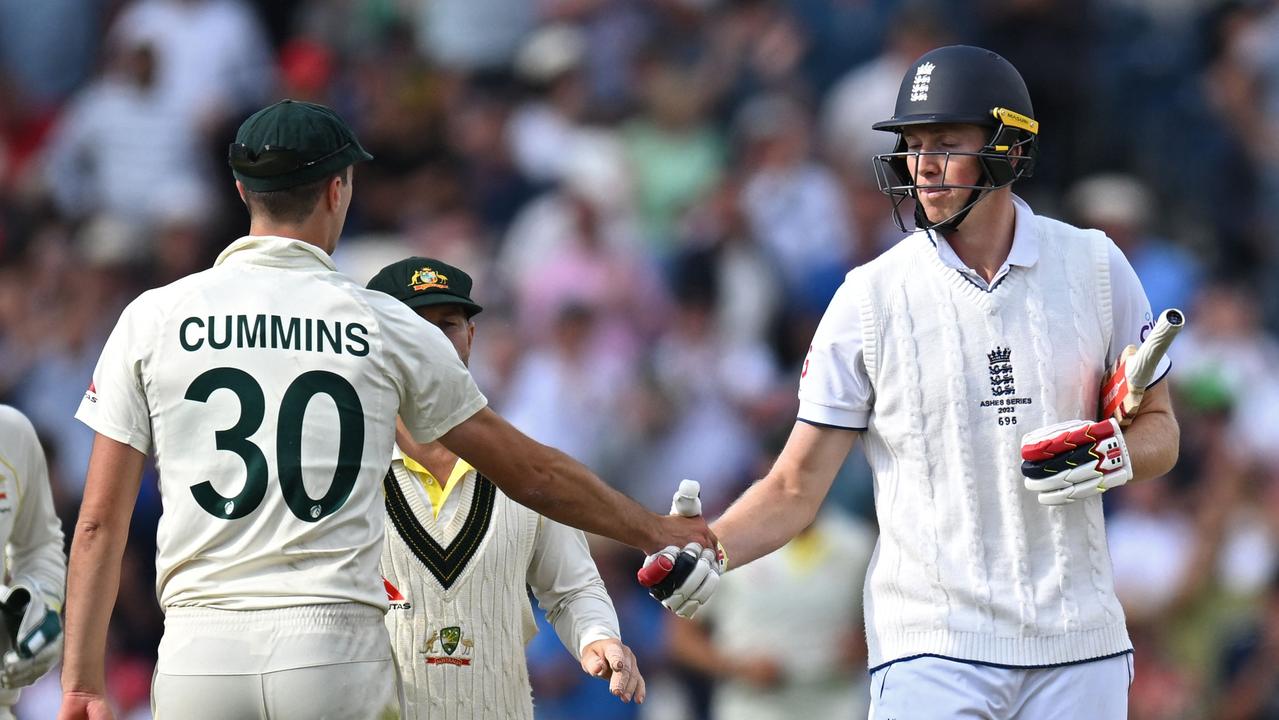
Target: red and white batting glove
{"points": [[684, 580], [1074, 460]]}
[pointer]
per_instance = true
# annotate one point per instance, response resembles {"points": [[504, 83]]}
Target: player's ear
{"points": [[239, 188], [333, 193]]}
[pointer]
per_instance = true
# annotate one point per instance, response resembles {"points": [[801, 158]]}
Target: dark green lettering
{"points": [[332, 336], [182, 334], [250, 336], [213, 336], [289, 443], [235, 439], [282, 339], [356, 345]]}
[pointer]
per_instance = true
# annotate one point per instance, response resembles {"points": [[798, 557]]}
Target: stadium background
{"points": [[657, 198]]}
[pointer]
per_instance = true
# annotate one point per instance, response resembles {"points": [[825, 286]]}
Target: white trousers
{"points": [[318, 662], [930, 688]]}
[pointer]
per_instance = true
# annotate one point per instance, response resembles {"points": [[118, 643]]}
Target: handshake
{"points": [[684, 579]]}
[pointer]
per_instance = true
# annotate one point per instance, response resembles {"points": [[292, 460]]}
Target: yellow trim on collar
{"points": [[436, 494]]}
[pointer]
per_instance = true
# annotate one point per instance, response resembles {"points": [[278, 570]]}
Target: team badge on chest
{"points": [[1001, 371], [449, 639], [1003, 387]]}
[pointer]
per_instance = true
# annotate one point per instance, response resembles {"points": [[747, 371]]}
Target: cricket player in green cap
{"points": [[268, 388], [460, 558]]}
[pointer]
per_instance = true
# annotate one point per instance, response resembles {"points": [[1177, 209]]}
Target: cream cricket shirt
{"points": [[268, 388], [458, 561], [30, 533]]}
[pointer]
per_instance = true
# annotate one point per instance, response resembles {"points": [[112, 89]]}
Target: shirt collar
{"points": [[460, 468], [1024, 252], [274, 251]]}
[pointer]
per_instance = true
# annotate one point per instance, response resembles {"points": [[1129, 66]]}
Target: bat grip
{"points": [[1144, 362]]}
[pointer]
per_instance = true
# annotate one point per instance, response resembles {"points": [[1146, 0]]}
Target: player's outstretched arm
{"points": [[561, 488], [93, 576], [786, 501]]}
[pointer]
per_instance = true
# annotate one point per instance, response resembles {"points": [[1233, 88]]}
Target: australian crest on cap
{"points": [[426, 278]]}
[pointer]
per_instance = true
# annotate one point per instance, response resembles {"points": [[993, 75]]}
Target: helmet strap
{"points": [[950, 224]]}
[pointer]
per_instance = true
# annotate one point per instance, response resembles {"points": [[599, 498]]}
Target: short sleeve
{"points": [[834, 385], [438, 391], [115, 405], [1132, 317]]}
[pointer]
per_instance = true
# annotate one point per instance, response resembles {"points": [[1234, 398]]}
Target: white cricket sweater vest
{"points": [[460, 628], [969, 565]]}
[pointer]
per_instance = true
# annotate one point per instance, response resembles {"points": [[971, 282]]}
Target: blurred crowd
{"points": [[657, 198]]}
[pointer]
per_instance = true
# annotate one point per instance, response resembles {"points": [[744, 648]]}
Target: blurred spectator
{"points": [[68, 296], [307, 69], [1123, 208], [1049, 40], [868, 93], [717, 393], [472, 35], [542, 131], [674, 154], [1251, 666], [793, 204], [47, 48], [580, 244], [566, 392], [1150, 541], [785, 638], [1225, 342], [123, 148], [212, 61], [746, 308], [757, 46]]}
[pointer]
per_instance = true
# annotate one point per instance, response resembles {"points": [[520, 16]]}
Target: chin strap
{"points": [[950, 224]]}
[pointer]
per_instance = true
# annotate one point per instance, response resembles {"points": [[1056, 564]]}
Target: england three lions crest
{"points": [[1001, 371]]}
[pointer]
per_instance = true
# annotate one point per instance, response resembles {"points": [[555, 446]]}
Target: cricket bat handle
{"points": [[1144, 362], [687, 501]]}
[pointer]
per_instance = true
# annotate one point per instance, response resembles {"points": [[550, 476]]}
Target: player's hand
{"points": [[680, 531], [684, 580], [1074, 460], [78, 705], [613, 661], [35, 632]]}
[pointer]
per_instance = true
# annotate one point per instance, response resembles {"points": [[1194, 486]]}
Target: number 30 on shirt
{"points": [[288, 442]]}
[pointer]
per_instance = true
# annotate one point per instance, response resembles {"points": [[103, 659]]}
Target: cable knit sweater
{"points": [[969, 565]]}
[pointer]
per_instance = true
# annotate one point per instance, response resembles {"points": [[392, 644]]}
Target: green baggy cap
{"points": [[421, 281], [292, 143]]}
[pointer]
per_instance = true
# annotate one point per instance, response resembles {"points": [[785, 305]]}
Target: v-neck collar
{"points": [[447, 560]]}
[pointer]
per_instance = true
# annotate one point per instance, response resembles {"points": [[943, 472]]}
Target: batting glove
{"points": [[34, 630], [1074, 460], [684, 580]]}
